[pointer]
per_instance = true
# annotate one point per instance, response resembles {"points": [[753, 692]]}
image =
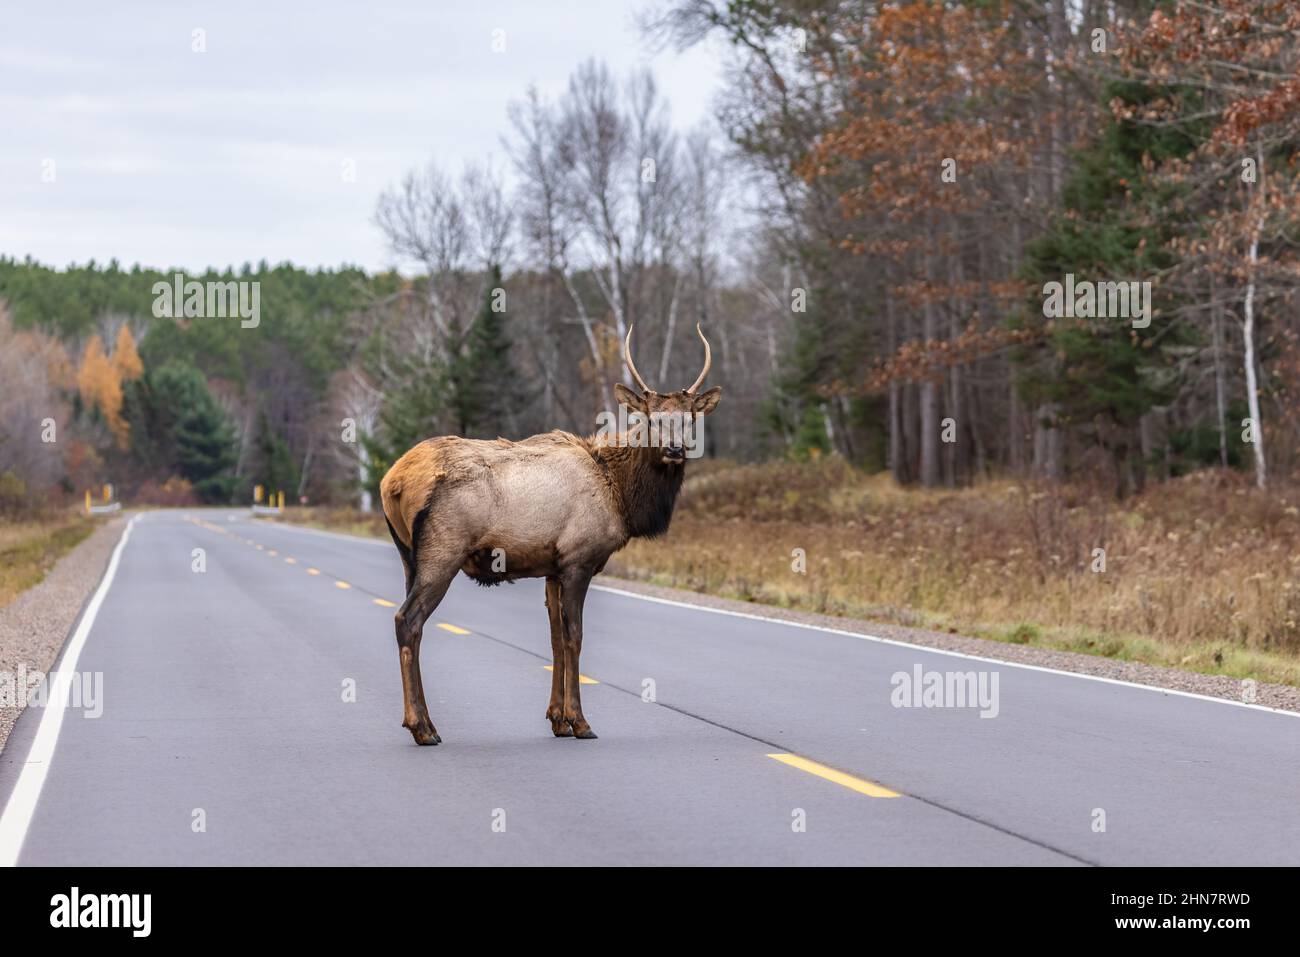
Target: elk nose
{"points": [[675, 451]]}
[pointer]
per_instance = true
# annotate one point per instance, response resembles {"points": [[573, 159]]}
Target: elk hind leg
{"points": [[431, 583]]}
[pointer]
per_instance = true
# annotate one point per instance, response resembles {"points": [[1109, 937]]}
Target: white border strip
{"points": [[18, 812], [942, 651]]}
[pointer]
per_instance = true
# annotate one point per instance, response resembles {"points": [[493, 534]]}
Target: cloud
{"points": [[162, 151]]}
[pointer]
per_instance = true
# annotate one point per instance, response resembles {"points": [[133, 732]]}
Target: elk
{"points": [[553, 506]]}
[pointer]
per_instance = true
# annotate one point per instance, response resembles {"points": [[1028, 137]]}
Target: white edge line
{"points": [[18, 811], [941, 651]]}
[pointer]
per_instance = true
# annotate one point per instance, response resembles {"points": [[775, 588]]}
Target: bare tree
{"points": [[33, 413]]}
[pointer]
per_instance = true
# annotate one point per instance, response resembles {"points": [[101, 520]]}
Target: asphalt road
{"points": [[225, 736]]}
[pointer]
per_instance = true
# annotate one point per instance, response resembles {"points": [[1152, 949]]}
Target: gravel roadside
{"points": [[35, 625], [1285, 697]]}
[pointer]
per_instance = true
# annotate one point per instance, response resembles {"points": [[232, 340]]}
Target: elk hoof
{"points": [[424, 733], [584, 732], [559, 724]]}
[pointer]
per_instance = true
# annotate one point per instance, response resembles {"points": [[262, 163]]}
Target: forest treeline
{"points": [[866, 231]]}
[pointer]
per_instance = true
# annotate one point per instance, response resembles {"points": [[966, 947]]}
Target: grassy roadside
{"points": [[1201, 573], [30, 548]]}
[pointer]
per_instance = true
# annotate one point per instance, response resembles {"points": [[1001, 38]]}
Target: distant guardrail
{"points": [[110, 504], [275, 501]]}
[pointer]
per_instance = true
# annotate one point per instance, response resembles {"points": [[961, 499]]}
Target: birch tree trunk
{"points": [[667, 353], [1248, 341], [1252, 385], [1220, 397]]}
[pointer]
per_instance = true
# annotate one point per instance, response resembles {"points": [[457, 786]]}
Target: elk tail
{"points": [[398, 501], [390, 496], [402, 548]]}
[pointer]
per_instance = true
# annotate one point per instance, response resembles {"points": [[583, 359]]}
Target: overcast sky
{"points": [[168, 157]]}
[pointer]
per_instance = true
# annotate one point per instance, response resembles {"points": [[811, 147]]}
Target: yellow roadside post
{"points": [[257, 494], [87, 501]]}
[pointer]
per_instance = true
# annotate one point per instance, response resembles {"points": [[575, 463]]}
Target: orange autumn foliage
{"points": [[126, 360], [100, 378]]}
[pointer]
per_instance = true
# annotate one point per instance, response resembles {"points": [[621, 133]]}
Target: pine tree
{"points": [[180, 430], [278, 469], [484, 383], [1101, 374], [205, 447], [794, 411]]}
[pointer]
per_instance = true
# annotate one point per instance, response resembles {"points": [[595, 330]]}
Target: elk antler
{"points": [[627, 357], [708, 361]]}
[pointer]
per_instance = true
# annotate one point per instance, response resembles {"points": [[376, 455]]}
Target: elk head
{"points": [[670, 416]]}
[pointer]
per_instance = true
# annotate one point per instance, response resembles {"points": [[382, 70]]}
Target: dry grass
{"points": [[1201, 573], [29, 549]]}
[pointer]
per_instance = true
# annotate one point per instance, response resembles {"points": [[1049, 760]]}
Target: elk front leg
{"points": [[573, 594], [554, 611], [409, 620]]}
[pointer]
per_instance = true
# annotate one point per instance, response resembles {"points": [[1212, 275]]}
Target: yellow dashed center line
{"points": [[853, 783], [861, 785], [582, 679]]}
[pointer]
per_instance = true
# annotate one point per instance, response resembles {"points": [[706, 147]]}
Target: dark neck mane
{"points": [[645, 488]]}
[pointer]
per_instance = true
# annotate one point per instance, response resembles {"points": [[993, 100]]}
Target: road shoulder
{"points": [[1285, 697], [35, 625]]}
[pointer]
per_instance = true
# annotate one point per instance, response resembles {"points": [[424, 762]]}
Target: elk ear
{"points": [[629, 398], [707, 401]]}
